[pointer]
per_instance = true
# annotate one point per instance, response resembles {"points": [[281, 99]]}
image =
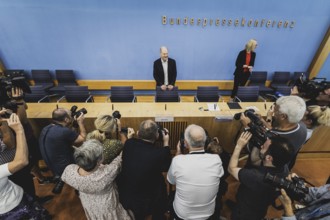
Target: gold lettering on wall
{"points": [[234, 22], [185, 21], [164, 20], [243, 22], [279, 24], [250, 22]]}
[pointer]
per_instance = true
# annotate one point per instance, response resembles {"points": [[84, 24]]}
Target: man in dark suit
{"points": [[165, 70], [141, 185]]}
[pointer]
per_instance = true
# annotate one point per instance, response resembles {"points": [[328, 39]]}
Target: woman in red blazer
{"points": [[244, 65]]}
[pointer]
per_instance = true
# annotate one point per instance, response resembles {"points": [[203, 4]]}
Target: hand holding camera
{"points": [[166, 137], [130, 133], [14, 123]]}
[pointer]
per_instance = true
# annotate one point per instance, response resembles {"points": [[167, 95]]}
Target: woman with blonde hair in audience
{"points": [[96, 182], [108, 132], [315, 116]]}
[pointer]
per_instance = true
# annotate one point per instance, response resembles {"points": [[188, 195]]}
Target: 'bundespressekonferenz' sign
{"points": [[203, 22]]}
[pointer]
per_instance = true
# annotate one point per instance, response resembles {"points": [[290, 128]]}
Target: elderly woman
{"points": [[108, 130], [96, 182]]}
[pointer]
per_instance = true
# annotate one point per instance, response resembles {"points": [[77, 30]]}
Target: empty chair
{"points": [[38, 94], [42, 78], [77, 94], [247, 94], [283, 90], [280, 79], [64, 78], [167, 95], [122, 94], [259, 78], [14, 72], [207, 94]]}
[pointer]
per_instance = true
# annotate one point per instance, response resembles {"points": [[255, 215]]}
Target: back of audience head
{"points": [[317, 115], [60, 115], [89, 155], [195, 136], [214, 147], [293, 107], [148, 130], [105, 128], [281, 151]]}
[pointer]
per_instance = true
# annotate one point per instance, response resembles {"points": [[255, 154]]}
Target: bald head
{"points": [[195, 136], [60, 114], [148, 130], [163, 53]]}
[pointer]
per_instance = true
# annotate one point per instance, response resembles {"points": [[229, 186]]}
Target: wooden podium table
{"points": [[175, 117]]}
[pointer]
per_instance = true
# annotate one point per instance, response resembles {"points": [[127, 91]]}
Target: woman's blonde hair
{"points": [[103, 124], [321, 114], [251, 45]]}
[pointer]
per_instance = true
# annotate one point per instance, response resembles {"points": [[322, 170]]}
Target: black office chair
{"points": [[167, 95], [283, 90], [77, 94], [38, 94], [122, 94], [280, 79], [14, 72], [42, 78], [64, 78], [259, 78], [247, 94], [207, 94]]}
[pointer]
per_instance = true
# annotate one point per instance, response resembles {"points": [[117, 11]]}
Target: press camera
{"points": [[310, 89], [259, 132], [7, 82], [296, 188]]}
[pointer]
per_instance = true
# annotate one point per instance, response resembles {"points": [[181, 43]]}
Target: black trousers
{"points": [[240, 79]]}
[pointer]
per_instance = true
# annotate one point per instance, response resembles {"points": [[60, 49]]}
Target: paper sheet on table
{"points": [[252, 107], [213, 107]]}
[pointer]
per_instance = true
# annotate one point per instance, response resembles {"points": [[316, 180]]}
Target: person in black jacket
{"points": [[141, 185], [244, 65], [165, 70]]}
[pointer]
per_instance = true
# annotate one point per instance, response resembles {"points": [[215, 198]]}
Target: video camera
{"points": [[259, 132], [296, 188], [7, 82], [310, 89]]}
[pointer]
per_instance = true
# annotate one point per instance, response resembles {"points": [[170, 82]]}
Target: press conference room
{"points": [[174, 62]]}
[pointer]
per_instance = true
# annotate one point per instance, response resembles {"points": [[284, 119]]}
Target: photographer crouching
{"points": [[254, 195], [56, 141]]}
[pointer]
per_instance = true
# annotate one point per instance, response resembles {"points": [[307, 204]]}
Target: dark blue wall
{"points": [[103, 39]]}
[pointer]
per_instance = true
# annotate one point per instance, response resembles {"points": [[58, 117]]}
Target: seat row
{"points": [[68, 88]]}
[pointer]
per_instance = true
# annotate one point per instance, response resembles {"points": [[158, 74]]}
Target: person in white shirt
{"points": [[196, 176], [14, 203]]}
